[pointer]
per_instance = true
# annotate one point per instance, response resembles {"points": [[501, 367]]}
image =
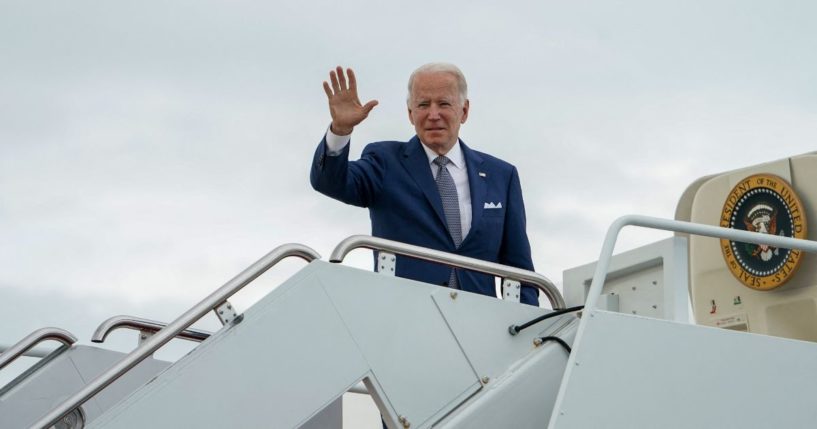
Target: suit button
{"points": [[445, 283]]}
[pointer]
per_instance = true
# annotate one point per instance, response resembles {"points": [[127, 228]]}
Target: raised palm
{"points": [[344, 105]]}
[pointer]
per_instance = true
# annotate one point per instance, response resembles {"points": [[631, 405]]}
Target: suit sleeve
{"points": [[515, 249], [352, 182]]}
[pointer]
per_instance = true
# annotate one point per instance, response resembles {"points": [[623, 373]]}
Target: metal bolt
{"points": [[453, 295], [654, 306], [633, 287], [537, 342], [221, 312], [392, 258], [485, 380], [404, 421]]}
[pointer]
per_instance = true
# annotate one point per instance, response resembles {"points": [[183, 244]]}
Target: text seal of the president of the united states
{"points": [[767, 204]]}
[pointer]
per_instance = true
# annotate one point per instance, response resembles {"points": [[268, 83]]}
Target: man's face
{"points": [[435, 110]]}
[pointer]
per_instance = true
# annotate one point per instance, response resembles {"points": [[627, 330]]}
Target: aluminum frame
{"points": [[34, 338], [381, 244], [139, 324], [183, 322]]}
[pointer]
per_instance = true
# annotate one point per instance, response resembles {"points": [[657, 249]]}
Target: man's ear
{"points": [[411, 119], [465, 108]]}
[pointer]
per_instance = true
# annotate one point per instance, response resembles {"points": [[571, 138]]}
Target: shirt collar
{"points": [[454, 155]]}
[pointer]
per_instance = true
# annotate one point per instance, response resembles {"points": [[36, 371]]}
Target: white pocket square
{"points": [[492, 206]]}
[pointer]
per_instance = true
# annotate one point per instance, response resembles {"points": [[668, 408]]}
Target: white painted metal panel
{"points": [[522, 397], [633, 372], [290, 357], [651, 281], [481, 337], [37, 391], [420, 371]]}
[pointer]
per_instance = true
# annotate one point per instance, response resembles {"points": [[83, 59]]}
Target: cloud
{"points": [[155, 150]]}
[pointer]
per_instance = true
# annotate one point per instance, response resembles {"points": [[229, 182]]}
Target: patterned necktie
{"points": [[451, 207]]}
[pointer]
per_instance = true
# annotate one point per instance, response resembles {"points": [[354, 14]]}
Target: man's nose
{"points": [[433, 112]]}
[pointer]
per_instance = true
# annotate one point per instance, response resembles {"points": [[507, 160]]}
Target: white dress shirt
{"points": [[457, 169]]}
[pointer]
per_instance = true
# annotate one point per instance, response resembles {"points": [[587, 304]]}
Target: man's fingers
{"points": [[352, 80], [327, 89], [342, 79], [369, 106], [334, 78]]}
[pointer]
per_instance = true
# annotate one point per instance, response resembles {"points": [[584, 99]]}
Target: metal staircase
{"points": [[435, 357]]}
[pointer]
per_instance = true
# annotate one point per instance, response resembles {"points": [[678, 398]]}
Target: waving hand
{"points": [[344, 105]]}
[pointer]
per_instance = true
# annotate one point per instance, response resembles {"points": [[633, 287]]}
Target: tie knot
{"points": [[441, 160]]}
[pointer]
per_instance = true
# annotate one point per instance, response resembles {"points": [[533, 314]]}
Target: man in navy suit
{"points": [[432, 191]]}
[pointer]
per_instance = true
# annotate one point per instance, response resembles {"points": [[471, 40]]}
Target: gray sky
{"points": [[149, 151]]}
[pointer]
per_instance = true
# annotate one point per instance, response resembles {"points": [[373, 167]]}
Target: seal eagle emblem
{"points": [[767, 204]]}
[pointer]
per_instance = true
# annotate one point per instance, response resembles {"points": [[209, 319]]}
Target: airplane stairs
{"points": [[428, 356]]}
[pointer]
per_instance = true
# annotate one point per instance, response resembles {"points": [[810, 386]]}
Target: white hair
{"points": [[462, 86]]}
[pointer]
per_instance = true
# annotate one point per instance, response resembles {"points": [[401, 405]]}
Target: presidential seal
{"points": [[767, 204]]}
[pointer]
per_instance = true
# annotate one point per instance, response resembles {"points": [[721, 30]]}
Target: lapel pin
{"points": [[481, 174]]}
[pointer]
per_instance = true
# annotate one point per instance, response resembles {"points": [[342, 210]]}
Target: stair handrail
{"points": [[603, 264], [140, 324], [376, 243], [34, 338], [37, 351], [183, 322]]}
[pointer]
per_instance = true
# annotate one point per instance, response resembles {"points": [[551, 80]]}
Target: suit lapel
{"points": [[476, 183], [415, 162]]}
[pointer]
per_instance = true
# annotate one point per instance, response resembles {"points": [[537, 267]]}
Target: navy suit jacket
{"points": [[394, 180]]}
